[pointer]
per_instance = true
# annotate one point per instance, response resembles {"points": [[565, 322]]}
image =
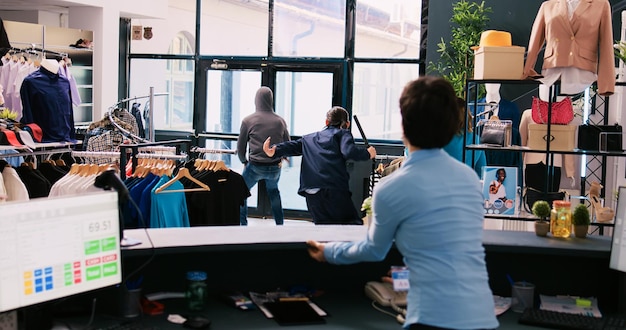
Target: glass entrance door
{"points": [[302, 98]]}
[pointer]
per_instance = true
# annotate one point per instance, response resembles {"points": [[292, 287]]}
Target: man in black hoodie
{"points": [[255, 128]]}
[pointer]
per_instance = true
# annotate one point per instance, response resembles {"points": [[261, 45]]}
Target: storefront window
{"points": [[238, 28], [388, 29], [377, 88], [300, 27], [173, 111]]}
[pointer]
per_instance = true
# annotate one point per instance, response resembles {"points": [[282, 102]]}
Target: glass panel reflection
{"points": [[302, 98], [377, 88], [300, 27], [174, 77], [234, 27], [388, 29]]}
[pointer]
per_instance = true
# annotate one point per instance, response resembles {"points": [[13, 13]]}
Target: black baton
{"points": [[358, 125]]}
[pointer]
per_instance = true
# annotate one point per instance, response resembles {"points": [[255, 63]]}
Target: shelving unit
{"points": [[595, 165]]}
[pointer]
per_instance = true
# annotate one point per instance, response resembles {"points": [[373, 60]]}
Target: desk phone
{"points": [[384, 294]]}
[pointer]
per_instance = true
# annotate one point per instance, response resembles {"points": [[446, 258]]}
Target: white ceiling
{"points": [[56, 6]]}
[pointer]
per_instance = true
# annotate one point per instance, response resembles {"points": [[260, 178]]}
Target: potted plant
{"points": [[367, 208], [456, 63], [541, 209], [581, 220]]}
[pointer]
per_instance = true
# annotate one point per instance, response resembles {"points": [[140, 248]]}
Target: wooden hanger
{"points": [[221, 166], [183, 172]]}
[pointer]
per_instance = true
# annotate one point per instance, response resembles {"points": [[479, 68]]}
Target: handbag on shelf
{"points": [[562, 111], [532, 195], [600, 137], [496, 132]]}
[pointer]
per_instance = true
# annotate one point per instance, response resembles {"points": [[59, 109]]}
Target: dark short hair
{"points": [[337, 117], [430, 113]]}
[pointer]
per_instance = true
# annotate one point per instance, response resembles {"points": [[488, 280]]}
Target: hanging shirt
{"points": [[46, 102], [64, 71], [11, 73], [3, 190], [16, 190], [168, 209], [4, 75], [24, 70], [221, 205]]}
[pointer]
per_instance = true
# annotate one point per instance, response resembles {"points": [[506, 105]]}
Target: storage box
{"points": [[499, 62], [562, 137]]}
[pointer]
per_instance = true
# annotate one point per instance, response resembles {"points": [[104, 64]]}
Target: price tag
{"points": [[400, 277]]}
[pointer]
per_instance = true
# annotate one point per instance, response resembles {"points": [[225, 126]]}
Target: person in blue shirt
{"points": [[473, 158], [324, 177], [431, 208]]}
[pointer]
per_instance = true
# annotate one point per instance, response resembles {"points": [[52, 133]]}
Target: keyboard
{"points": [[566, 321]]}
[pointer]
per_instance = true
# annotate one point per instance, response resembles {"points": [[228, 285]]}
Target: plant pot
{"points": [[542, 228], [580, 231]]}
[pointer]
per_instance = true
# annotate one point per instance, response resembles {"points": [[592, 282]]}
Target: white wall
{"points": [[102, 17]]}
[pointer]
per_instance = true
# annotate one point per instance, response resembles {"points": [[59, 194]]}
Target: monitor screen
{"points": [[52, 248], [618, 245]]}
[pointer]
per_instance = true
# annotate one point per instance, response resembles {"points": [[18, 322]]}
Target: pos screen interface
{"points": [[51, 248]]}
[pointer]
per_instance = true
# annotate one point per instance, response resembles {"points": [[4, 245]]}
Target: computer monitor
{"points": [[618, 245], [52, 248]]}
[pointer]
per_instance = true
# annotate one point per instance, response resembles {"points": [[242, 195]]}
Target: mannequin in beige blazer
{"points": [[585, 41]]}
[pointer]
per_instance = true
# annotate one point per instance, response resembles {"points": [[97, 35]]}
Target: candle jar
{"points": [[561, 219]]}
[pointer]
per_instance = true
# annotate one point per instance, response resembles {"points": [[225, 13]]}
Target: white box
{"points": [[563, 137], [499, 62]]}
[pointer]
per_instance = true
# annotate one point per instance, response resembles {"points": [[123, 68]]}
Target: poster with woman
{"points": [[500, 190]]}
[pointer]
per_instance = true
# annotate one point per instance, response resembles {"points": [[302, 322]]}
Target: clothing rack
{"points": [[161, 156], [375, 176], [387, 157], [182, 146], [123, 130], [95, 154], [157, 149], [37, 153], [34, 50], [212, 151], [150, 115]]}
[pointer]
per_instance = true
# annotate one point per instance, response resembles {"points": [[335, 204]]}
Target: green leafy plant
{"points": [[6, 113], [619, 49], [581, 215], [456, 62], [367, 205], [541, 209]]}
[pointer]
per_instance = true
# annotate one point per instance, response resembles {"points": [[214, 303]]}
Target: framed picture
{"points": [[500, 190]]}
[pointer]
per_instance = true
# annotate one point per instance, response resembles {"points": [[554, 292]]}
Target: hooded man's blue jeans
{"points": [[253, 173]]}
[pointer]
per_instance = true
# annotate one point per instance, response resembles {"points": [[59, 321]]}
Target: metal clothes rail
{"points": [[182, 147]]}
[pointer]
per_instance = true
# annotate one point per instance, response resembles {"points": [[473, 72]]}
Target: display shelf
{"points": [[527, 149], [472, 92]]}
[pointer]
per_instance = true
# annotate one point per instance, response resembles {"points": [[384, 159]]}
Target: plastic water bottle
{"points": [[196, 290]]}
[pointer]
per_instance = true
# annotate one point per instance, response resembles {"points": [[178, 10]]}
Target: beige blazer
{"points": [[584, 42]]}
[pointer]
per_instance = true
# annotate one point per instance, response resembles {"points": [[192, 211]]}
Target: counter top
{"points": [[215, 238]]}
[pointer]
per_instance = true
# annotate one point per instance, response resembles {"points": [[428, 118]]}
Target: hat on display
{"points": [[34, 130], [8, 138], [494, 38], [25, 138]]}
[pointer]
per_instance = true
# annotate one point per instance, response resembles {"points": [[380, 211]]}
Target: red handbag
{"points": [[562, 111]]}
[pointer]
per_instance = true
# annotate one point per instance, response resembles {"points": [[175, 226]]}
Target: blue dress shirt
{"points": [[431, 207]]}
